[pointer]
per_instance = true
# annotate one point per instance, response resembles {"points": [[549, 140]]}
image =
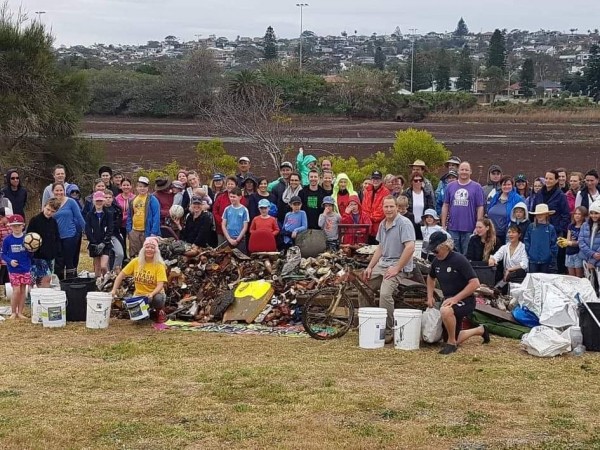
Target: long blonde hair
{"points": [[489, 238], [157, 256]]}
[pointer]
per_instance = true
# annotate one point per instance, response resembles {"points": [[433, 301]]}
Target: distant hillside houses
{"points": [[340, 52]]}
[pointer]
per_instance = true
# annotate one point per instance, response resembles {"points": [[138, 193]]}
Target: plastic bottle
{"points": [[576, 337], [577, 348]]}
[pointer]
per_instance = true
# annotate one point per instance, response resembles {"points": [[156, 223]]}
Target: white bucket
{"points": [[98, 309], [53, 309], [36, 295], [137, 308], [371, 327], [8, 290], [407, 328]]}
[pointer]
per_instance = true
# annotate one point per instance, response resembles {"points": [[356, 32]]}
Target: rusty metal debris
{"points": [[198, 280]]}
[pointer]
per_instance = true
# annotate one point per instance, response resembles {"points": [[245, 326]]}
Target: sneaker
{"points": [[161, 316], [448, 349], [485, 335]]}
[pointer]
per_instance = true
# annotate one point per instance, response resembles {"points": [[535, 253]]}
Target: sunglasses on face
{"points": [[418, 180]]}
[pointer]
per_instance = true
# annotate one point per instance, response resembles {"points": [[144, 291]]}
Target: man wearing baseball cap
{"points": [[372, 203], [440, 192], [244, 171], [143, 219]]}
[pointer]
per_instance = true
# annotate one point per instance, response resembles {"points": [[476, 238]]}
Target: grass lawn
{"points": [[133, 387]]}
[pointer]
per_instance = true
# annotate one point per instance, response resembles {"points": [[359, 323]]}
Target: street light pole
{"points": [[39, 14], [413, 31], [301, 6]]}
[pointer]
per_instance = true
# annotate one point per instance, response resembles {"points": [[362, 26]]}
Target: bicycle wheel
{"points": [[323, 318]]}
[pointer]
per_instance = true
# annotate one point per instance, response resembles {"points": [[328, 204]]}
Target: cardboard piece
{"points": [[250, 300]]}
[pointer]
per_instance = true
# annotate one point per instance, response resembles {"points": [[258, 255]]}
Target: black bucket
{"points": [[589, 327], [76, 290]]}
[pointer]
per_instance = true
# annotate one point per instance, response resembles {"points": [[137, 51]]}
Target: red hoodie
{"points": [[355, 237], [372, 204], [218, 208]]}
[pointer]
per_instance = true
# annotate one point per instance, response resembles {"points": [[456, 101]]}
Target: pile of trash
{"points": [[202, 283], [551, 305]]}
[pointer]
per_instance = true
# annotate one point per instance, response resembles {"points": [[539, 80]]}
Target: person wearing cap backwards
{"points": [[493, 182], [304, 164], [372, 203], [393, 258], [143, 220], [329, 222], [244, 171], [419, 168], [149, 276], [18, 263], [106, 174], [164, 195], [458, 282], [312, 200], [440, 193]]}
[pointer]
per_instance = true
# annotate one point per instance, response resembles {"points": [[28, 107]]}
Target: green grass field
{"points": [[133, 387]]}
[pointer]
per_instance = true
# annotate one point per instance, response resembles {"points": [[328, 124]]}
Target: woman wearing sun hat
{"points": [[419, 168], [540, 241]]}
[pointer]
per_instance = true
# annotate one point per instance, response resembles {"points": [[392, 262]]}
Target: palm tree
{"points": [[245, 85]]}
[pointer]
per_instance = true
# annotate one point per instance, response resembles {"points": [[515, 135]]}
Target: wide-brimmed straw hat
{"points": [[419, 163], [542, 208]]}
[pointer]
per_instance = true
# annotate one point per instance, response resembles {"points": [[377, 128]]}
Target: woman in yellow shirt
{"points": [[149, 276]]}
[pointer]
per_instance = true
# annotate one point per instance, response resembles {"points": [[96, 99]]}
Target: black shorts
{"points": [[463, 309]]}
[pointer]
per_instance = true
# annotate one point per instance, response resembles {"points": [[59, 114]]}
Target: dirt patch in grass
{"points": [[132, 387]]}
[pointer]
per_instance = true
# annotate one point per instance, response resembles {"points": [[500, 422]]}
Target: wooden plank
{"points": [[495, 312]]}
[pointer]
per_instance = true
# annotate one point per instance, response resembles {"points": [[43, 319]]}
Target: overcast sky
{"points": [[138, 21]]}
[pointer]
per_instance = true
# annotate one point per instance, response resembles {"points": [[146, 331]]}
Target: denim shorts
{"points": [[574, 261]]}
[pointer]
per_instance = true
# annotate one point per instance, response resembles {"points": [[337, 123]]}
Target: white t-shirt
{"points": [[418, 205]]}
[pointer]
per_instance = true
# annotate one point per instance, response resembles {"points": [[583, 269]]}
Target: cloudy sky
{"points": [[137, 21]]}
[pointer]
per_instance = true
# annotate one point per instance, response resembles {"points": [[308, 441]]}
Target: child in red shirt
{"points": [[263, 230]]}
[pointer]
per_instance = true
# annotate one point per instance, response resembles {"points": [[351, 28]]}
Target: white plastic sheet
{"points": [[431, 326], [545, 342], [552, 297]]}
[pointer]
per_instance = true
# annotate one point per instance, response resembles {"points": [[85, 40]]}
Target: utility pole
{"points": [[301, 6], [39, 14], [413, 31]]}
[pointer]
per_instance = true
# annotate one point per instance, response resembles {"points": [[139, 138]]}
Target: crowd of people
{"points": [[518, 225]]}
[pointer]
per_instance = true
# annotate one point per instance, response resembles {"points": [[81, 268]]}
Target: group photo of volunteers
{"points": [[459, 235]]}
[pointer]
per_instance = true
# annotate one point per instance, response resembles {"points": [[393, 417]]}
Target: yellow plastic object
{"points": [[250, 298], [255, 289]]}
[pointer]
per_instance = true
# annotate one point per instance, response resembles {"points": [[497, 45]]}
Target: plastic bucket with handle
{"points": [[371, 327], [53, 309], [138, 308], [407, 329], [36, 296], [98, 309]]}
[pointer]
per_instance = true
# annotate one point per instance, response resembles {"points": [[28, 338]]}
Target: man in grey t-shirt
{"points": [[393, 258]]}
